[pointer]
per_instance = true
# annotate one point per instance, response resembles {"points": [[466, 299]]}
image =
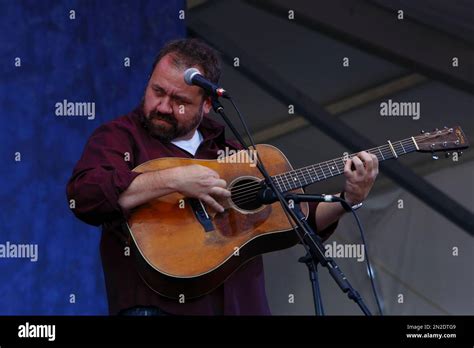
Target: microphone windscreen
{"points": [[188, 75]]}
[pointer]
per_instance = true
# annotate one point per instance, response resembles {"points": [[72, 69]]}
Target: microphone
{"points": [[193, 77]]}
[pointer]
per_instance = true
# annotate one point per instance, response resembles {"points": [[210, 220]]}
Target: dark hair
{"points": [[191, 52]]}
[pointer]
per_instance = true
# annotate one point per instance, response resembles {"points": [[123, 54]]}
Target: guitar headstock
{"points": [[446, 139]]}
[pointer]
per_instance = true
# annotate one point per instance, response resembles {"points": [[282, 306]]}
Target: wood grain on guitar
{"points": [[184, 249]]}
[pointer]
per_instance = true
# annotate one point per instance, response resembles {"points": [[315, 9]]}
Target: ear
{"points": [[207, 105]]}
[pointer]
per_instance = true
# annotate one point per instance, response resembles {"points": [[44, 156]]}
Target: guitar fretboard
{"points": [[305, 176]]}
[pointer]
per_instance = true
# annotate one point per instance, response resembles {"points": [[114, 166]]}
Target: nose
{"points": [[163, 105]]}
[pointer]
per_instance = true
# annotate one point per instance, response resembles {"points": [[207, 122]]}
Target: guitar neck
{"points": [[305, 176]]}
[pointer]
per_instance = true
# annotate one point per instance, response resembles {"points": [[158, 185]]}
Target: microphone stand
{"points": [[313, 243], [313, 277], [312, 258], [312, 265]]}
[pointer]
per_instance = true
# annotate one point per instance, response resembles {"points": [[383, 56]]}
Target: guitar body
{"points": [[183, 250]]}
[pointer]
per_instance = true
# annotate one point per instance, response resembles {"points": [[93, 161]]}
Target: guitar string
{"points": [[325, 172], [242, 197], [386, 150], [252, 188], [298, 176]]}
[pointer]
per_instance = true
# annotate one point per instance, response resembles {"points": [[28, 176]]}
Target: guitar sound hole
{"points": [[244, 193]]}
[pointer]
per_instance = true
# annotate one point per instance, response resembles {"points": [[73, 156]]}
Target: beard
{"points": [[169, 128]]}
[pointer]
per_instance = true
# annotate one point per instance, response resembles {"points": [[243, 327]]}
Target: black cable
{"points": [[367, 261], [289, 212], [369, 266]]}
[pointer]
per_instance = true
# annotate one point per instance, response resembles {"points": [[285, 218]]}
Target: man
{"points": [[171, 122]]}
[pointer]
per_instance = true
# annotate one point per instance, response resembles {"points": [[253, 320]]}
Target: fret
{"points": [[284, 177], [275, 181], [327, 165], [281, 185], [409, 147], [343, 163], [338, 170], [298, 177], [304, 177], [414, 143], [289, 180], [295, 178], [322, 171], [383, 158], [403, 148], [399, 148], [390, 152], [315, 172], [394, 153], [281, 182], [310, 177]]}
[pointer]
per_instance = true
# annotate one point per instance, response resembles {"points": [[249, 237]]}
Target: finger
{"points": [[375, 161], [359, 166], [219, 183], [367, 159], [347, 169], [209, 172], [212, 203], [220, 192]]}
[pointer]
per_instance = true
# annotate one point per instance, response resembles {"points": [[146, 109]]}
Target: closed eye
{"points": [[158, 91]]}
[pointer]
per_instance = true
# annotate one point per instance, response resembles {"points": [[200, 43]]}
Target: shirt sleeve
{"points": [[101, 175]]}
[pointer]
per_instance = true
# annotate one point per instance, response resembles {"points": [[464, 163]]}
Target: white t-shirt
{"points": [[190, 145]]}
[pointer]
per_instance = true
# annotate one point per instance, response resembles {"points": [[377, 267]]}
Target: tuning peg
{"points": [[447, 154], [434, 156], [422, 131]]}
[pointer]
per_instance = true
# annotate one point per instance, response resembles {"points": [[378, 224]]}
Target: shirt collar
{"points": [[211, 129]]}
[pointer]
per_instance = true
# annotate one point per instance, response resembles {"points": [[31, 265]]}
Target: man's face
{"points": [[173, 109]]}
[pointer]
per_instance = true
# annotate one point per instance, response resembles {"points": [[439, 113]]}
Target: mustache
{"points": [[165, 117]]}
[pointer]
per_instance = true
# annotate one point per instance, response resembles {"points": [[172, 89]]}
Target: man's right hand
{"points": [[200, 182]]}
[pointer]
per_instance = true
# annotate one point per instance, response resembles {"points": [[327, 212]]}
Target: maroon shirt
{"points": [[99, 178]]}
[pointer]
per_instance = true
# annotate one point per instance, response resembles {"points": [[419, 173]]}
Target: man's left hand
{"points": [[361, 178]]}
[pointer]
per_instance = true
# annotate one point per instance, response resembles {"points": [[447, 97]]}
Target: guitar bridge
{"points": [[201, 214]]}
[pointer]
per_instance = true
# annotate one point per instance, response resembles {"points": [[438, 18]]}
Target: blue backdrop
{"points": [[53, 51]]}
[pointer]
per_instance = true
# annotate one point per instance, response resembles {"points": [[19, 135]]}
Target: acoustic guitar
{"points": [[184, 249]]}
